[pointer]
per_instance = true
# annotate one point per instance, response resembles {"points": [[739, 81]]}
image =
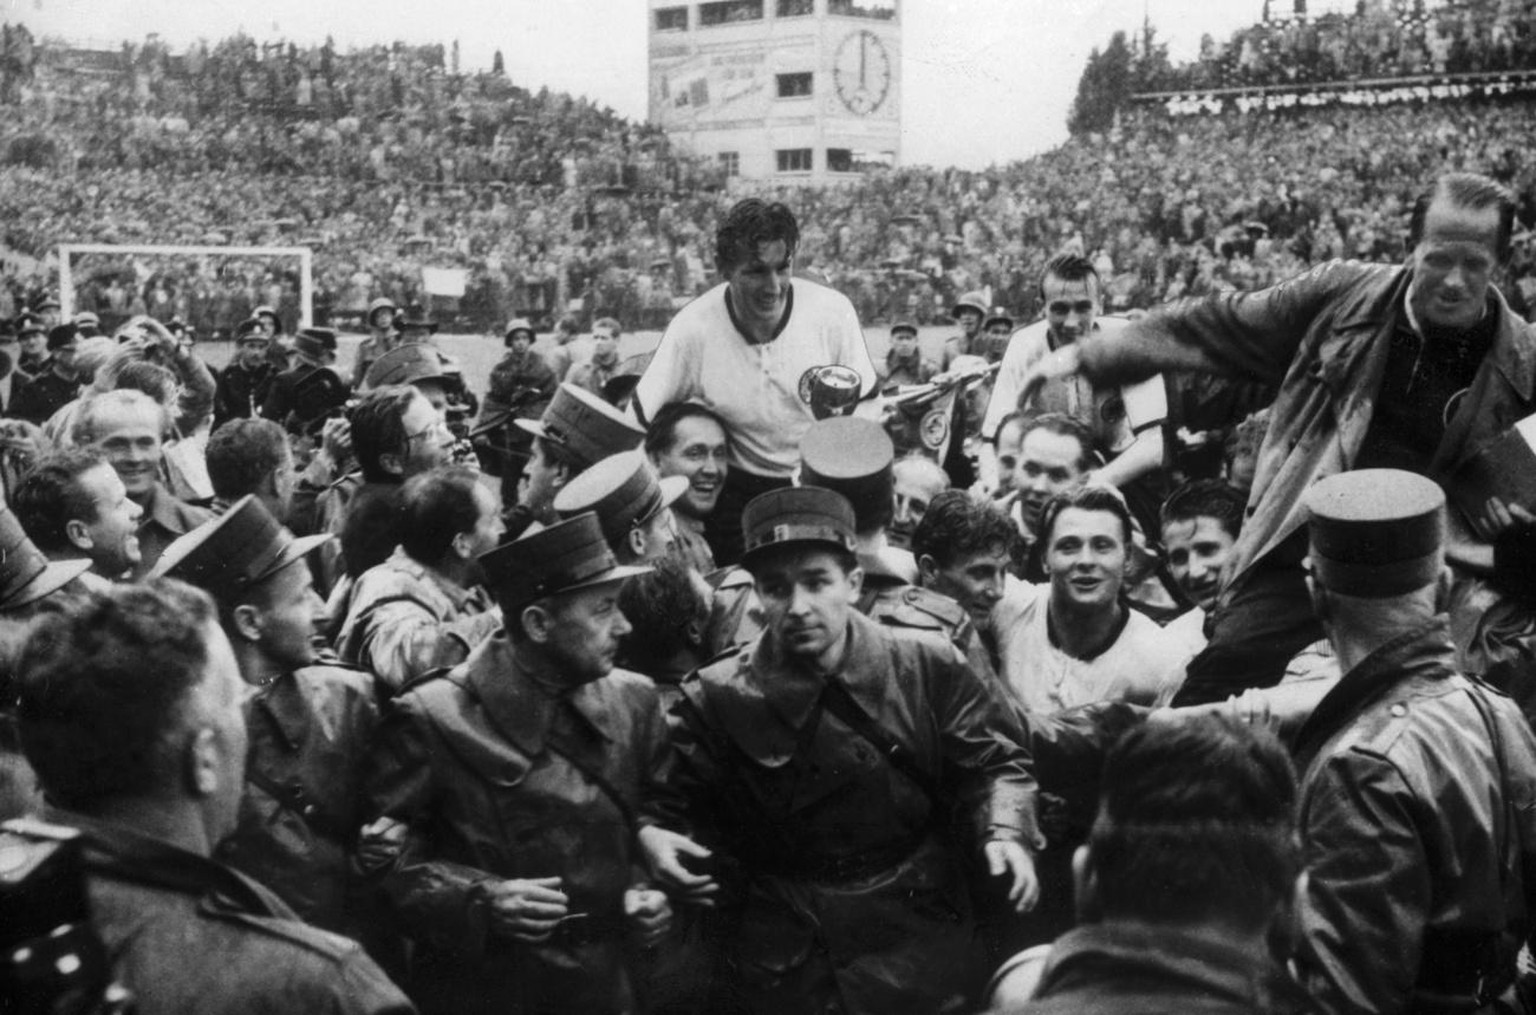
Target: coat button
{"points": [[1399, 710]]}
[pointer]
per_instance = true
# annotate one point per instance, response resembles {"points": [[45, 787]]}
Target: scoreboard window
{"points": [[839, 160], [672, 19], [728, 12], [796, 8], [794, 160], [794, 86], [730, 163], [878, 10]]}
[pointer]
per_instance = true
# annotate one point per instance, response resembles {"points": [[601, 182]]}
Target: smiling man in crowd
{"points": [[744, 349], [686, 439], [74, 505]]}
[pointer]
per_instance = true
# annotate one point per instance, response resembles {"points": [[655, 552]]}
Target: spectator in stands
{"points": [[596, 372], [127, 428], [904, 361], [687, 439], [74, 506], [426, 606], [1190, 869], [712, 351], [130, 714], [55, 387], [246, 381], [252, 456]]}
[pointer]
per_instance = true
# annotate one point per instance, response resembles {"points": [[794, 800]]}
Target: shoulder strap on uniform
{"points": [[599, 780], [841, 703]]}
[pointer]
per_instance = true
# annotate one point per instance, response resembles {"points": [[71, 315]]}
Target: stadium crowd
{"points": [[1178, 660]]}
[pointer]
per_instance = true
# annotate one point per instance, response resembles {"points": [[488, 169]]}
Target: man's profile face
{"points": [[970, 321], [540, 481], [1198, 551], [585, 629], [1070, 307], [807, 597], [1085, 554], [759, 286], [1010, 438], [1453, 263], [291, 616], [975, 580], [698, 452], [1049, 463], [428, 441], [114, 529], [129, 437]]}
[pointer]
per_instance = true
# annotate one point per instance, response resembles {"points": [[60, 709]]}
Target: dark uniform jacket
{"points": [[892, 601], [241, 393], [166, 518], [1115, 968], [848, 886], [40, 398], [187, 934], [915, 369], [310, 731], [1418, 817], [479, 765]]}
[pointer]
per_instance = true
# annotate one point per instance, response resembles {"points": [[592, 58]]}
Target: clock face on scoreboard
{"points": [[862, 72]]}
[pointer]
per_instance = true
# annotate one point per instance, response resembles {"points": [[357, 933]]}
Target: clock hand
{"points": [[863, 54]]}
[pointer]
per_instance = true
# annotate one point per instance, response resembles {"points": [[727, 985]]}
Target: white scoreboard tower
{"points": [[782, 90]]}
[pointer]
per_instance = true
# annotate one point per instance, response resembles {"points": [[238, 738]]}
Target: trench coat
{"points": [[1418, 821], [477, 764], [846, 889]]}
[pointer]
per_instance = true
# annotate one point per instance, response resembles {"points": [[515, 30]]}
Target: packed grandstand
{"points": [[389, 159]]}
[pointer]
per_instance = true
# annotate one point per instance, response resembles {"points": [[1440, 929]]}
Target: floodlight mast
{"points": [[306, 257]]}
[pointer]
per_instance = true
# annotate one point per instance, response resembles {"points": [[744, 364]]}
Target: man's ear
{"points": [[202, 763], [537, 621], [462, 545], [79, 535], [855, 584], [927, 570], [636, 540], [247, 622], [1085, 885], [392, 463]]}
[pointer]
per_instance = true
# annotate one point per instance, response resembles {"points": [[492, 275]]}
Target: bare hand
{"points": [[1007, 857], [336, 439], [527, 909], [1498, 517], [380, 843], [649, 912], [663, 849], [1053, 366]]}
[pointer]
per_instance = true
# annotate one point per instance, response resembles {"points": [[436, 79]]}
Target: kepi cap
{"points": [[570, 555], [251, 329], [624, 492], [853, 457], [26, 573], [406, 364], [793, 516], [1376, 533], [238, 549], [585, 426], [29, 324], [316, 342]]}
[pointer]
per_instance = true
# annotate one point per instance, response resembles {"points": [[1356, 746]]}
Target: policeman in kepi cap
{"points": [[855, 457], [633, 506], [522, 779], [1418, 786], [817, 754], [310, 723]]}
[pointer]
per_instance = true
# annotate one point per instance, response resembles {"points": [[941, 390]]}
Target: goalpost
{"points": [[68, 252]]}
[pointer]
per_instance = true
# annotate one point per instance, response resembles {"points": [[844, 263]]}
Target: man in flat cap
{"points": [[814, 758], [309, 724], [577, 431], [1418, 785], [517, 779], [904, 361], [633, 506], [426, 606], [313, 349]]}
